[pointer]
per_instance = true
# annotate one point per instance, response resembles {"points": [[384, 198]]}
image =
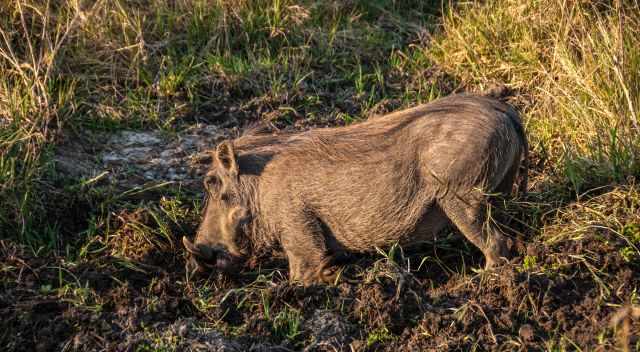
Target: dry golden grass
{"points": [[577, 67]]}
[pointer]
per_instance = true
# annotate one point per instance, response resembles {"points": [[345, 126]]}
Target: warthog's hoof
{"points": [[502, 252]]}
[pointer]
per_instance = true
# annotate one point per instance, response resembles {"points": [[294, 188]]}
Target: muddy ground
{"points": [[151, 306], [129, 293]]}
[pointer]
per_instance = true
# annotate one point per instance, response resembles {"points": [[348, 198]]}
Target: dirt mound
{"points": [[575, 293]]}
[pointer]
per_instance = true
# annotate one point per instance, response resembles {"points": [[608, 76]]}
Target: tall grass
{"points": [[34, 102], [577, 66], [173, 61]]}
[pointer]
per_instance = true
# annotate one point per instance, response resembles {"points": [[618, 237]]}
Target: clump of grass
{"points": [[379, 336], [577, 68], [287, 324]]}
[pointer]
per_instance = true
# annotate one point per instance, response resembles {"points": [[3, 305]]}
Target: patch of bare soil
{"points": [[129, 159]]}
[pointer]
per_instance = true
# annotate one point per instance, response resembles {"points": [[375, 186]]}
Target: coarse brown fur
{"points": [[395, 178]]}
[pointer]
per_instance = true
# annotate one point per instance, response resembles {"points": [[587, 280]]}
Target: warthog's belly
{"points": [[425, 228]]}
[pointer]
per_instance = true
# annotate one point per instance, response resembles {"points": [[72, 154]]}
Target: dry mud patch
{"points": [[128, 159]]}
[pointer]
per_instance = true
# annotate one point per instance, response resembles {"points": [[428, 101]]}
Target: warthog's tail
{"points": [[523, 173], [502, 92], [498, 91]]}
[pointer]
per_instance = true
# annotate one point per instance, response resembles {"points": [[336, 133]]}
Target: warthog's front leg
{"points": [[305, 247]]}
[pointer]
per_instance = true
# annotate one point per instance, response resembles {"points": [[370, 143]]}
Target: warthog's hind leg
{"points": [[469, 215]]}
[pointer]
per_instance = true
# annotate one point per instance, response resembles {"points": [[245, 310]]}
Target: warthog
{"points": [[395, 178]]}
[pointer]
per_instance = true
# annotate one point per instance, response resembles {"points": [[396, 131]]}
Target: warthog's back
{"points": [[381, 181]]}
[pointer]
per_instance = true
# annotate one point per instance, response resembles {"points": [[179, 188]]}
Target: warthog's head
{"points": [[218, 244]]}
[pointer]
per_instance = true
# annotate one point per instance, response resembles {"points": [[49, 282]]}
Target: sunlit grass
{"points": [[576, 67]]}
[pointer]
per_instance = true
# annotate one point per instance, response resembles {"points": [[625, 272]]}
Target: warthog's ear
{"points": [[226, 158]]}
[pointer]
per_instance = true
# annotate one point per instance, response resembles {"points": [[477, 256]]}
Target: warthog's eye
{"points": [[212, 182], [225, 197], [208, 263]]}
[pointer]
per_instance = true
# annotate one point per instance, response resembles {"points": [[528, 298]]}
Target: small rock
{"points": [[182, 330], [526, 332]]}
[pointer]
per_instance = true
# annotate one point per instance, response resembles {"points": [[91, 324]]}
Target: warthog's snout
{"points": [[203, 258]]}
